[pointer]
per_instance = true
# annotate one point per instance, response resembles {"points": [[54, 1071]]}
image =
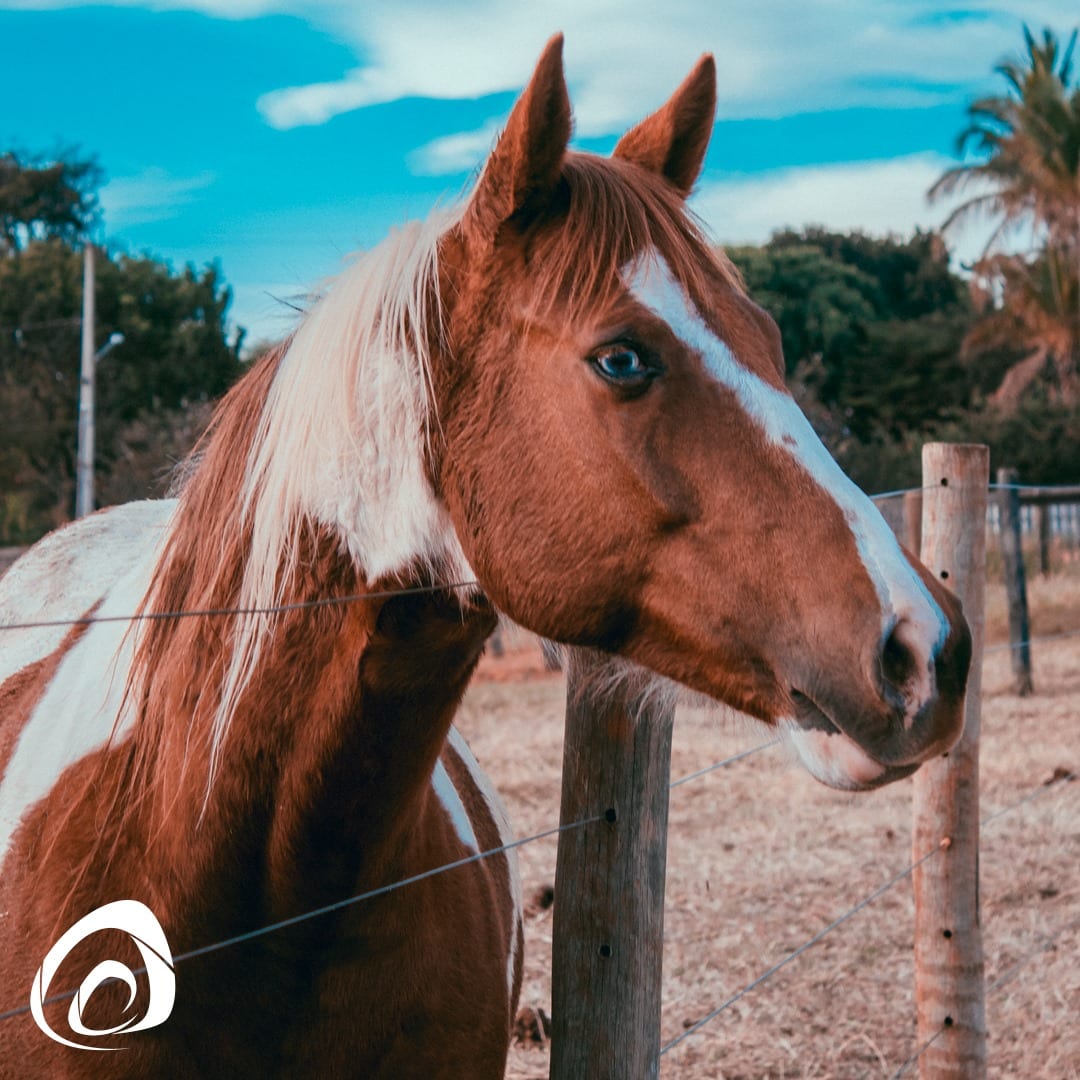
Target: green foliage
{"points": [[1041, 438], [871, 327], [151, 390], [40, 199], [877, 337]]}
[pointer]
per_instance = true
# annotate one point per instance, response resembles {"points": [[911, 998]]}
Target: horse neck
{"points": [[327, 759]]}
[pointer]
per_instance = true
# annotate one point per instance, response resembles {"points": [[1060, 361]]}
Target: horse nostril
{"points": [[898, 662]]}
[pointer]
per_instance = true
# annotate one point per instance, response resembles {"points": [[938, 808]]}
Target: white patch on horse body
{"points": [[903, 596], [506, 836], [448, 795], [116, 551], [68, 572]]}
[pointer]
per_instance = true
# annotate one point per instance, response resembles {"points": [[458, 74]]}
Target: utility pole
{"points": [[84, 455], [84, 452]]}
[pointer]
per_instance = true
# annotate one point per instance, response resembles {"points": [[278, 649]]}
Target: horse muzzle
{"points": [[907, 710]]}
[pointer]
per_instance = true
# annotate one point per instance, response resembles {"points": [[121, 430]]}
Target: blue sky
{"points": [[278, 136]]}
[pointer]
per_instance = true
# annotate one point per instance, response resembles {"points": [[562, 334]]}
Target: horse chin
{"points": [[837, 760]]}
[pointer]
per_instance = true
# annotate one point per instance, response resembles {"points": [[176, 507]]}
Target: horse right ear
{"points": [[523, 169]]}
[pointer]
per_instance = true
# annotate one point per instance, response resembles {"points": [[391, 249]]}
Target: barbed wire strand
{"points": [[882, 495], [1031, 641], [299, 605], [919, 1053], [1050, 785], [338, 905], [1046, 944], [386, 594], [1032, 487], [393, 886], [693, 1029], [896, 879], [723, 764]]}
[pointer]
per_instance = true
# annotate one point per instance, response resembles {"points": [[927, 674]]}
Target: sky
{"points": [[280, 136]]}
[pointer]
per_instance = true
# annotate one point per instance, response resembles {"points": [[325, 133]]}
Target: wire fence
{"points": [[1059, 784], [391, 887], [334, 601]]}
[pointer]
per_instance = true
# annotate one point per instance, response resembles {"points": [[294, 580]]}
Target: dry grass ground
{"points": [[761, 858]]}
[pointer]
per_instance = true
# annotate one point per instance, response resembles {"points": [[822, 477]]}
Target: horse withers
{"points": [[556, 402]]}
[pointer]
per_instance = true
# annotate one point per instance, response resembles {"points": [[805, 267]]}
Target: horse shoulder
{"points": [[62, 685]]}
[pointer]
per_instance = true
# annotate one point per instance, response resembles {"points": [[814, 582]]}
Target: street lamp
{"points": [[84, 454]]}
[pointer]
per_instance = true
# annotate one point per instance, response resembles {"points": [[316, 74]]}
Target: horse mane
{"points": [[324, 443]]}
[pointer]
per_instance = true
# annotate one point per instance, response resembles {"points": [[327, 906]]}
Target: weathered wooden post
{"points": [[1012, 554], [607, 953], [1043, 518], [912, 537], [949, 984]]}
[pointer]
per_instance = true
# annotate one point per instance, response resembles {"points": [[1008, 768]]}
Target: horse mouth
{"points": [[833, 756], [809, 716]]}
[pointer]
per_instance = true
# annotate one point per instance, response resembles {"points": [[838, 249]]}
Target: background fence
{"points": [[608, 931], [609, 949]]}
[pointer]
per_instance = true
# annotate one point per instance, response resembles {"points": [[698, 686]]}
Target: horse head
{"points": [[626, 470]]}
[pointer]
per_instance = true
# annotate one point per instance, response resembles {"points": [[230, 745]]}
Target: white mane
{"points": [[341, 442]]}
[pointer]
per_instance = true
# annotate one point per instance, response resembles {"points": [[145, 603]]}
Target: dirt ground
{"points": [[761, 857]]}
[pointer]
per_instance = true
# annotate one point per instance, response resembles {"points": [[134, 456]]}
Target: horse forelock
{"points": [[613, 212]]}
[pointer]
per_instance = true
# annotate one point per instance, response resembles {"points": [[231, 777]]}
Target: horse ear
{"points": [[673, 141], [524, 167]]}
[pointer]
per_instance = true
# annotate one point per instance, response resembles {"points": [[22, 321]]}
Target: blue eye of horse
{"points": [[620, 363]]}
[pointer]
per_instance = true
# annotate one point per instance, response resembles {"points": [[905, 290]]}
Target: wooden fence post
{"points": [[1012, 554], [607, 953], [949, 983], [1043, 518], [912, 537]]}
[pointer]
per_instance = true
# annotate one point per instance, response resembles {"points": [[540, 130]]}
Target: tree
{"points": [[42, 200], [871, 327], [1025, 171], [178, 351]]}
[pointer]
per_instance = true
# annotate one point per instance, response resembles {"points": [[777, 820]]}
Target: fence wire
{"points": [[693, 1029], [1045, 945], [384, 890], [1059, 782]]}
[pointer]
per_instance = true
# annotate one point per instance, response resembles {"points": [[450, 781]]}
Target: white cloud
{"points": [[457, 153], [876, 197], [152, 195], [774, 57]]}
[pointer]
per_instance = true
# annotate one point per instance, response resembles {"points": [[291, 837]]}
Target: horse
{"points": [[219, 712]]}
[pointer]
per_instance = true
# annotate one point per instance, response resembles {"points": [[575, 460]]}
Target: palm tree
{"points": [[1024, 171]]}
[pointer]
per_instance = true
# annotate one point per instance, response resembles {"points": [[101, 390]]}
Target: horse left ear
{"points": [[524, 167], [673, 140]]}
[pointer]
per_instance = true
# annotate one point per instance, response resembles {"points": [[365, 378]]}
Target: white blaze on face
{"points": [[903, 597]]}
